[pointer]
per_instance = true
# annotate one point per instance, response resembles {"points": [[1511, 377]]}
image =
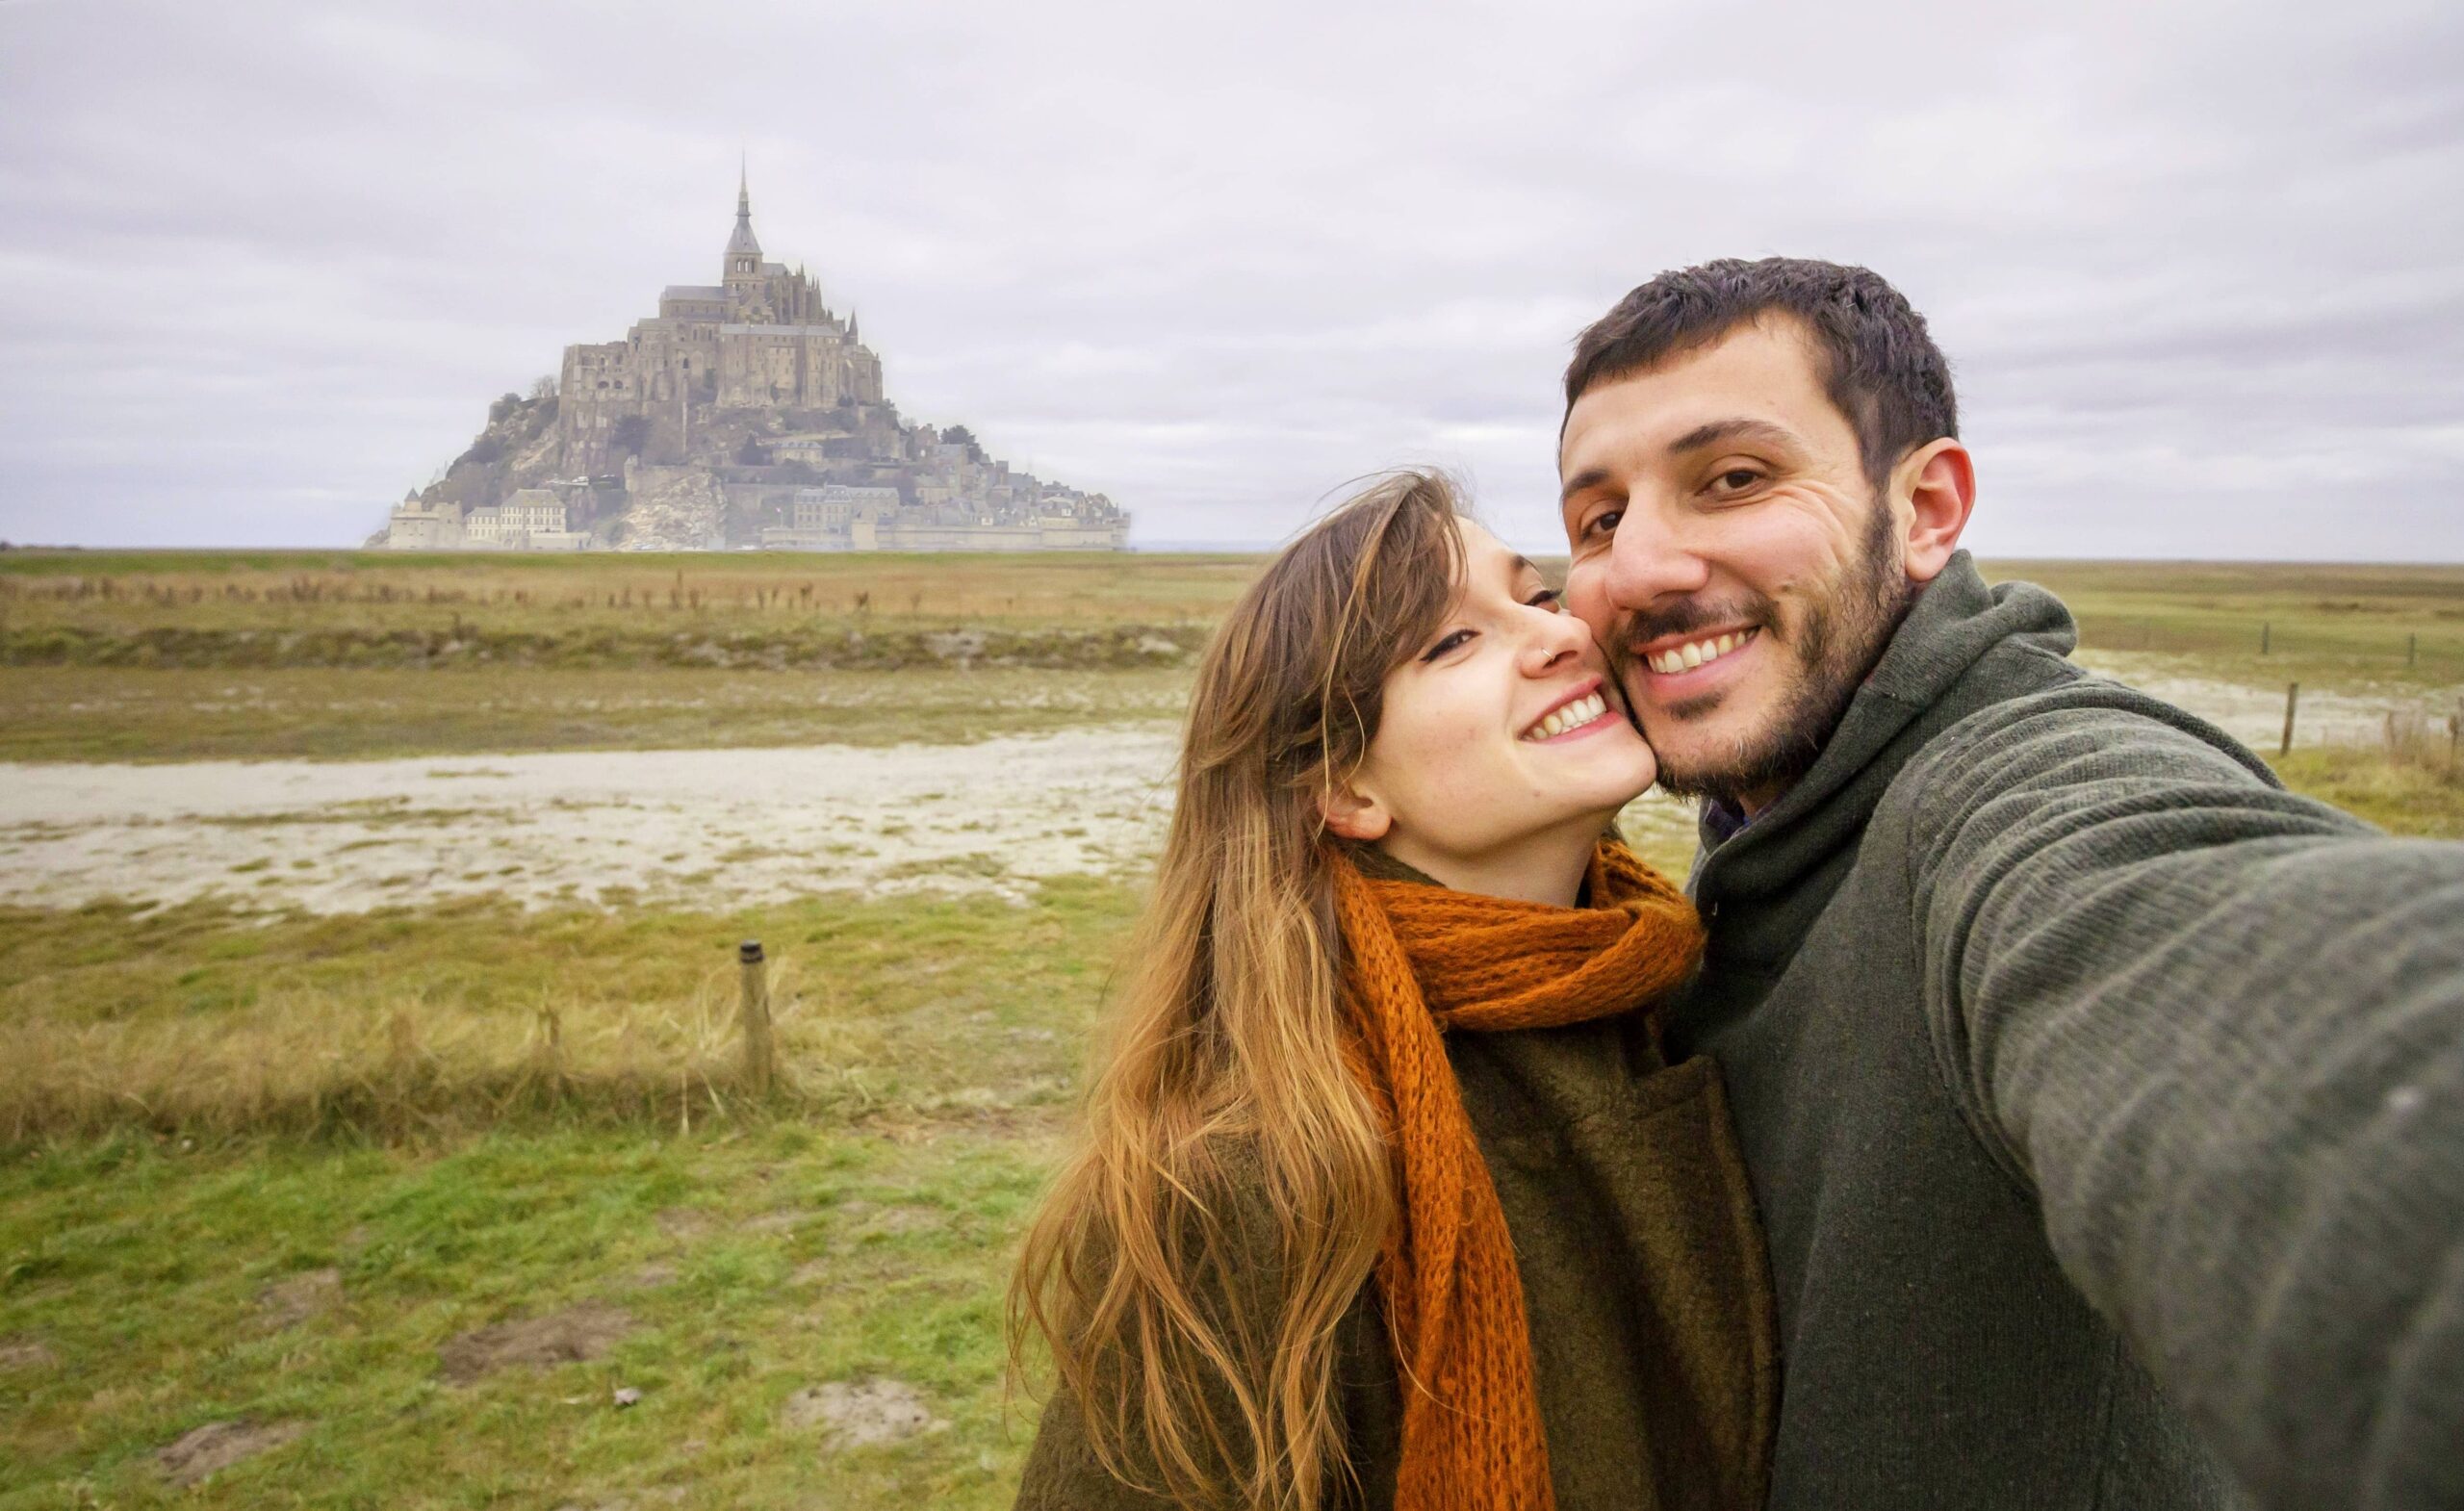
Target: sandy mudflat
{"points": [[703, 828], [715, 827], [2351, 713], [696, 828]]}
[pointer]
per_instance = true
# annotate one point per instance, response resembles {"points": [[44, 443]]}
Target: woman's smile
{"points": [[1585, 709]]}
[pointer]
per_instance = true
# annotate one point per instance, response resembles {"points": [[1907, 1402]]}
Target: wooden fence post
{"points": [[760, 1053], [2412, 647], [2292, 696], [2267, 633]]}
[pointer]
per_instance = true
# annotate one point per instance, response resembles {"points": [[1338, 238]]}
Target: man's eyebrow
{"points": [[1588, 477], [1722, 431]]}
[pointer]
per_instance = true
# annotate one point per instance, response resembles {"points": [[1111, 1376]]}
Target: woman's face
{"points": [[1504, 726]]}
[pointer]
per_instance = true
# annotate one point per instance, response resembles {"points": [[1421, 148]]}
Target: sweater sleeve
{"points": [[2218, 1030]]}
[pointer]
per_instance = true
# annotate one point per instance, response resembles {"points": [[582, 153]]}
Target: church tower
{"points": [[743, 274]]}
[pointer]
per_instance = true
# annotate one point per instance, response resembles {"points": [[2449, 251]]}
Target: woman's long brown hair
{"points": [[1226, 1055]]}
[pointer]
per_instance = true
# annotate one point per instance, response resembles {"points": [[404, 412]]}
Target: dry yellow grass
{"points": [[206, 1020]]}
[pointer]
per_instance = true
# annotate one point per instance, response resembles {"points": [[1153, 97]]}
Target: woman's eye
{"points": [[1447, 642], [1549, 599]]}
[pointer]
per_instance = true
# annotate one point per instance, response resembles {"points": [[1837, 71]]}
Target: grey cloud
{"points": [[262, 264]]}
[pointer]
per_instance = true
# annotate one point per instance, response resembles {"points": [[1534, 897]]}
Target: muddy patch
{"points": [[684, 1224], [863, 1413], [25, 1353], [293, 1300], [570, 1336], [651, 1277], [218, 1445]]}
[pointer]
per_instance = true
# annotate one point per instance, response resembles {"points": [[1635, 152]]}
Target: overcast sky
{"points": [[2200, 268]]}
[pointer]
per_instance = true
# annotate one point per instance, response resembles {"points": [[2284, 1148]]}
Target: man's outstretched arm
{"points": [[2219, 1030]]}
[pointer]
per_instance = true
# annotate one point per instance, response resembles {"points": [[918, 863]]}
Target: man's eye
{"points": [[1604, 523], [1447, 642], [1737, 480]]}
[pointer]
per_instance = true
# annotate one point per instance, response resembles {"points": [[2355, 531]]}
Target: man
{"points": [[2104, 1102]]}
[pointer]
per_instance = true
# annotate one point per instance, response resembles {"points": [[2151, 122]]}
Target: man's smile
{"points": [[1672, 656]]}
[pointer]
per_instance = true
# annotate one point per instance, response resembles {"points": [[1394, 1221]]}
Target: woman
{"points": [[1388, 1197]]}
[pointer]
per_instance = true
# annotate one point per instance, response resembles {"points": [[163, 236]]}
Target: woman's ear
{"points": [[1353, 814]]}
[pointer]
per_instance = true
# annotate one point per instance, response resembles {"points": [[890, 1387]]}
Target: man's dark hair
{"points": [[1884, 370]]}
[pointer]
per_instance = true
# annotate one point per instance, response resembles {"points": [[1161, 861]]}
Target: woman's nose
{"points": [[1554, 637]]}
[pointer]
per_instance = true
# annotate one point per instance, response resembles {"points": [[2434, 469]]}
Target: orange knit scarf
{"points": [[1420, 959]]}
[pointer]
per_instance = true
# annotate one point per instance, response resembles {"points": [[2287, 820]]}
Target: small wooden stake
{"points": [[760, 1053], [2412, 649], [2267, 633], [2292, 697]]}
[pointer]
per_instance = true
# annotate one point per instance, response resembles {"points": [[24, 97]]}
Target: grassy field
{"points": [[98, 714], [561, 604], [2272, 621], [401, 1198], [125, 594], [401, 1327], [237, 1196], [182, 656]]}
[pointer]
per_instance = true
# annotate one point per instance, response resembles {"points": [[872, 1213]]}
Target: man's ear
{"points": [[1940, 483], [1355, 814]]}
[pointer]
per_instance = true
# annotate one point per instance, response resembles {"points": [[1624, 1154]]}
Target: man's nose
{"points": [[1649, 561]]}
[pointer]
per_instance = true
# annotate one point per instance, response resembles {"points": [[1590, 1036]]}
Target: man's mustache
{"points": [[1643, 625]]}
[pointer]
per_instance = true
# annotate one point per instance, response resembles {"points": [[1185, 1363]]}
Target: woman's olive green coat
{"points": [[1643, 1277]]}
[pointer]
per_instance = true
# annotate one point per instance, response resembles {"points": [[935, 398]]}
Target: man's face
{"points": [[1732, 558]]}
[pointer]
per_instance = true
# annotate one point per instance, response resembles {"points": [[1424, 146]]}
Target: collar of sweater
{"points": [[1963, 646]]}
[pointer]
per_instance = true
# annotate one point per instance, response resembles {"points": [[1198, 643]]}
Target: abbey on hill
{"points": [[744, 413]]}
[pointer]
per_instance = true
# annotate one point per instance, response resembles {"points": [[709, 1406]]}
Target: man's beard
{"points": [[1842, 636]]}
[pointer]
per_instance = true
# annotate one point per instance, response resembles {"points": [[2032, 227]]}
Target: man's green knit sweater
{"points": [[2104, 1102]]}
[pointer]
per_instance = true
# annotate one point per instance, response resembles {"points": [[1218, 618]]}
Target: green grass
{"points": [[82, 713], [749, 1263], [856, 1226]]}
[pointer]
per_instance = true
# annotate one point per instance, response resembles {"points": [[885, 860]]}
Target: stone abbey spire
{"points": [[744, 252]]}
